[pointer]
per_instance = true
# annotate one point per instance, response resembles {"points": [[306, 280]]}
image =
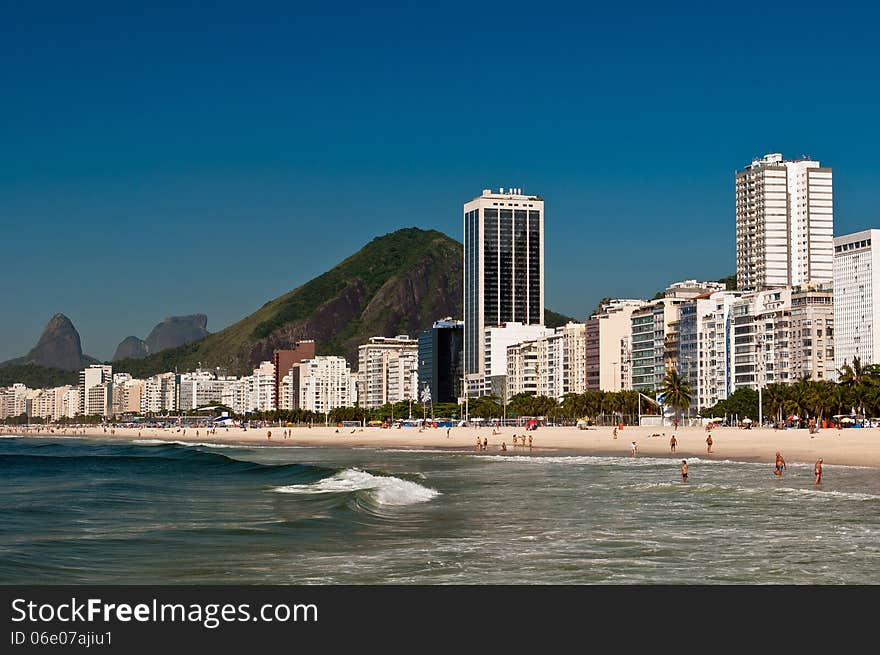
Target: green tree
{"points": [[676, 392]]}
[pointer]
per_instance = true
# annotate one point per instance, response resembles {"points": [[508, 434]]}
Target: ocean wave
{"points": [[385, 490], [190, 444]]}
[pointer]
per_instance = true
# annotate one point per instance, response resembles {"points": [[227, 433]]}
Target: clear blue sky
{"points": [[158, 161]]}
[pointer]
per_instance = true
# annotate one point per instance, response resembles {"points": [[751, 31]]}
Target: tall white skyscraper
{"points": [[504, 267], [784, 223], [857, 298]]}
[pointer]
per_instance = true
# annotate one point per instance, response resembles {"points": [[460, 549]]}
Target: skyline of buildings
{"points": [[805, 304]]}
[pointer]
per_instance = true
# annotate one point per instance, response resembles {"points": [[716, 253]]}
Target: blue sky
{"points": [[176, 158]]}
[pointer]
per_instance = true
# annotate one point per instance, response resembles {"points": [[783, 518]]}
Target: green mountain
{"points": [[399, 283]]}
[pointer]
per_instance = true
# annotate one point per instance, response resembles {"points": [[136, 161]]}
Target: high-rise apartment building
{"points": [[784, 223], [503, 268], [93, 400], [857, 298]]}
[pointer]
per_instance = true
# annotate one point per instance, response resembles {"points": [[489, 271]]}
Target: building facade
{"points": [[388, 371], [441, 352], [784, 223], [503, 268], [857, 298]]}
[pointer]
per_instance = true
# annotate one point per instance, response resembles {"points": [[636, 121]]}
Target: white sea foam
{"points": [[204, 444], [386, 490]]}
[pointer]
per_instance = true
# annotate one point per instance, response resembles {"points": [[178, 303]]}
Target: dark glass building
{"points": [[503, 267], [440, 360]]}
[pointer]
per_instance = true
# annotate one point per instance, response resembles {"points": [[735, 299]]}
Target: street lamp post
{"points": [[760, 366]]}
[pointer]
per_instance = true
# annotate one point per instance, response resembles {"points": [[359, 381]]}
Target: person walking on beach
{"points": [[632, 449], [485, 443], [530, 442], [684, 470], [709, 444], [503, 447], [779, 466], [614, 432], [447, 432], [514, 441], [672, 443], [818, 471]]}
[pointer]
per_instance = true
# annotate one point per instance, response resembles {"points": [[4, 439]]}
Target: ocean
{"points": [[88, 511]]}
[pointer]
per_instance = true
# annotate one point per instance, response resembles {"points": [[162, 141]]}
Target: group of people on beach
{"points": [[518, 440]]}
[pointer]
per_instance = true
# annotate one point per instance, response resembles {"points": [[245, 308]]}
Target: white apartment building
{"points": [[261, 388], [607, 346], [94, 376], [784, 223], [857, 298], [388, 371], [319, 385], [544, 366], [51, 404], [13, 400], [496, 340], [200, 388], [503, 269], [159, 394], [70, 402]]}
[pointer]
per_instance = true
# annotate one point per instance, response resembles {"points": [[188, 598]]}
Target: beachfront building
{"points": [[496, 340], [99, 402], [703, 357], [200, 388], [544, 366], [655, 335], [49, 404], [320, 384], [13, 400], [574, 363], [857, 298], [503, 271], [782, 336], [606, 345], [70, 402], [784, 223], [260, 388], [811, 337], [388, 371], [159, 394], [284, 360], [761, 339], [441, 349]]}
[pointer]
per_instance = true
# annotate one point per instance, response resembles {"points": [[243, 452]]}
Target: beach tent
{"points": [[846, 419], [747, 420]]}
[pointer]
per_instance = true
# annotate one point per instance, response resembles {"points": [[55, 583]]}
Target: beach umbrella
{"points": [[794, 417], [747, 420], [846, 419]]}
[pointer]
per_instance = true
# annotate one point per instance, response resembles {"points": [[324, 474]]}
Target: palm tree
{"points": [[855, 375], [676, 391]]}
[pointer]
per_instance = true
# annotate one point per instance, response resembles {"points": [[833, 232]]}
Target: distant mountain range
{"points": [[173, 332], [399, 283], [59, 349]]}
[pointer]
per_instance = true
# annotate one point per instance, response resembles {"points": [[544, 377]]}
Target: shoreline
{"points": [[849, 447]]}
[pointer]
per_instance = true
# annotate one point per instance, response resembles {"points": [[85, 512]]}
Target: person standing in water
{"points": [[632, 449], [684, 470], [709, 444], [818, 471], [779, 466]]}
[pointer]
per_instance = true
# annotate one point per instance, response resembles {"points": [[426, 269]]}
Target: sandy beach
{"points": [[852, 447]]}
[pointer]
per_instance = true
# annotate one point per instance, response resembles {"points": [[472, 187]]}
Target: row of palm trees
{"points": [[857, 390]]}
